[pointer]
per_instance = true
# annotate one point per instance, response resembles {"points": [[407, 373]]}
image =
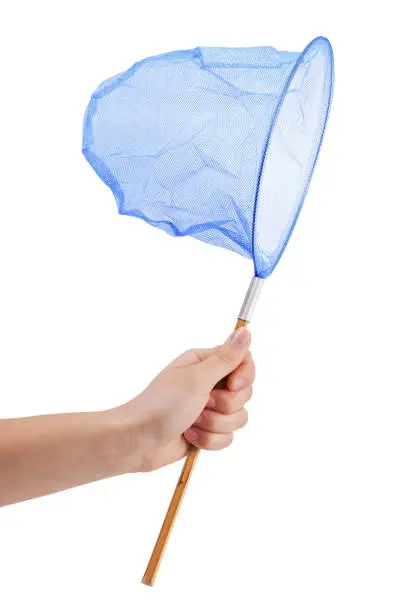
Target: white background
{"points": [[308, 509]]}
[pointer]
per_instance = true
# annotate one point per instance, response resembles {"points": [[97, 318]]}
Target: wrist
{"points": [[132, 440]]}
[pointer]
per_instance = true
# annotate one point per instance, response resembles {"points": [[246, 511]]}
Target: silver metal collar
{"points": [[251, 298]]}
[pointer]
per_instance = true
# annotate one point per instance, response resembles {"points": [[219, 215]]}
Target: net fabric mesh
{"points": [[215, 143]]}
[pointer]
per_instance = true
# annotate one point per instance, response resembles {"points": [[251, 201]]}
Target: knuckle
{"points": [[227, 440], [251, 367], [225, 354], [244, 419], [230, 405]]}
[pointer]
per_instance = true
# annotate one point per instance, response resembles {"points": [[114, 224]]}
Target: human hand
{"points": [[181, 406]]}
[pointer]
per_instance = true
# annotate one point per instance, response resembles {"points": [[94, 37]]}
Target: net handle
{"points": [[175, 503]]}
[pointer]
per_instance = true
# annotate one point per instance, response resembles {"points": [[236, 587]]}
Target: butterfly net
{"points": [[215, 143]]}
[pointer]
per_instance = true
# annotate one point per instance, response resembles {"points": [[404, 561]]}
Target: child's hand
{"points": [[43, 454], [181, 407]]}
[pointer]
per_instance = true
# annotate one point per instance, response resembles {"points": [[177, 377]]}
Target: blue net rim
{"points": [[324, 43]]}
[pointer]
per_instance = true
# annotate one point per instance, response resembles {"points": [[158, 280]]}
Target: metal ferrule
{"points": [[251, 298]]}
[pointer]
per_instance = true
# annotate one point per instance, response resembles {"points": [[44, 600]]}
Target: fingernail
{"points": [[239, 338], [211, 402], [237, 383]]}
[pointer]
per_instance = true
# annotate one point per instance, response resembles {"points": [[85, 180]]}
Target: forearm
{"points": [[44, 454]]}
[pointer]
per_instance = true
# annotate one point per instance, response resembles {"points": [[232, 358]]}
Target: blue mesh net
{"points": [[215, 143]]}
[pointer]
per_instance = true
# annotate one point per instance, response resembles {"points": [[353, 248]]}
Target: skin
{"points": [[44, 454]]}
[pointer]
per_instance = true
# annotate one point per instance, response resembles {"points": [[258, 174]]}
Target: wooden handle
{"points": [[170, 518]]}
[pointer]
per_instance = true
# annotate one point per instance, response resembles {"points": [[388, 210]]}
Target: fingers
{"points": [[215, 422], [208, 440], [243, 376], [214, 430], [228, 402], [223, 359]]}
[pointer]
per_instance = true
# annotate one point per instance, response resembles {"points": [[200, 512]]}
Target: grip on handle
{"points": [[170, 518]]}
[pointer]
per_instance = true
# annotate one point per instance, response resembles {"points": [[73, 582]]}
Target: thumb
{"points": [[223, 359]]}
